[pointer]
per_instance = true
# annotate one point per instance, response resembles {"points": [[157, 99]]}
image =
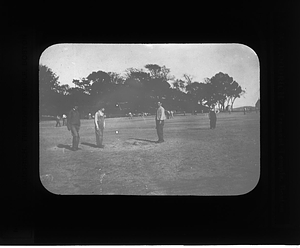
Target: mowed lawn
{"points": [[193, 160]]}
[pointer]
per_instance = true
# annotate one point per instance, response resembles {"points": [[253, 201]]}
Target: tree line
{"points": [[137, 91]]}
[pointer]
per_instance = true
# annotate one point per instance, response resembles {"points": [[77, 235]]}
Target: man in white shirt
{"points": [[99, 127], [160, 119], [64, 117]]}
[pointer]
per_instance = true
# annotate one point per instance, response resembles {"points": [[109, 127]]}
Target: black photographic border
{"points": [[267, 215]]}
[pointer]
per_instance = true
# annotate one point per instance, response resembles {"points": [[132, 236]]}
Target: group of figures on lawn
{"points": [[73, 124], [72, 121], [64, 118]]}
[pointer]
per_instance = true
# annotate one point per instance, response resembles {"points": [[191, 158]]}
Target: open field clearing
{"points": [[193, 160]]}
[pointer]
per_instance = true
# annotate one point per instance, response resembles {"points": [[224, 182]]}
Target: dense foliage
{"points": [[138, 91]]}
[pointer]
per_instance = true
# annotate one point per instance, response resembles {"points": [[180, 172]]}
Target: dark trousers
{"points": [[75, 134], [213, 123], [99, 136], [160, 130], [57, 123]]}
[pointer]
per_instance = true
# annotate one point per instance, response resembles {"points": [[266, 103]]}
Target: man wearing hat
{"points": [[160, 119], [73, 125]]}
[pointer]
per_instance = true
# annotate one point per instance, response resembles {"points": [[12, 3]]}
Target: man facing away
{"points": [[160, 119], [73, 124], [99, 127]]}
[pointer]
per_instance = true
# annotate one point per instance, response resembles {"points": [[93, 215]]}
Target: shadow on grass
{"points": [[199, 128], [65, 146], [89, 144], [150, 141]]}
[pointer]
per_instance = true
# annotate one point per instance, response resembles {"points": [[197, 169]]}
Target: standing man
{"points": [[228, 108], [160, 119], [99, 127], [167, 114], [64, 120], [213, 118], [73, 124], [57, 121]]}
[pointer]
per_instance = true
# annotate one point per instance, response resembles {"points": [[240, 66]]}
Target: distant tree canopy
{"points": [[137, 91], [51, 93]]}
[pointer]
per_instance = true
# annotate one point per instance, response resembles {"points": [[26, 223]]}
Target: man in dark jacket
{"points": [[73, 124], [213, 118]]}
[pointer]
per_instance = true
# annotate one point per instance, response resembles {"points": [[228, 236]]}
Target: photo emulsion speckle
{"points": [[149, 119]]}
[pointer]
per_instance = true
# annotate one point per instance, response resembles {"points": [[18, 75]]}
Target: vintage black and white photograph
{"points": [[149, 119]]}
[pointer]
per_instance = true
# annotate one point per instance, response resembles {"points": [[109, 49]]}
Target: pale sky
{"points": [[69, 61]]}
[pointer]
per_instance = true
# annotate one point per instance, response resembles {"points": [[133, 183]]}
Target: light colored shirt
{"points": [[99, 119], [160, 114]]}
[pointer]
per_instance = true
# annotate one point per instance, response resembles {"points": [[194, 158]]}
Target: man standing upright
{"points": [[213, 118], [64, 117], [57, 121], [73, 124], [160, 119], [99, 127]]}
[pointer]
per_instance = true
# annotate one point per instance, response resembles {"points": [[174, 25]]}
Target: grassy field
{"points": [[193, 160]]}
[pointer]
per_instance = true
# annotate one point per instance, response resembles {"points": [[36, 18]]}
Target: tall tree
{"points": [[197, 91], [179, 84], [159, 84], [209, 98], [188, 78], [48, 89], [235, 91], [100, 83], [84, 84], [224, 89], [139, 76], [161, 72], [219, 83], [63, 89], [115, 78]]}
